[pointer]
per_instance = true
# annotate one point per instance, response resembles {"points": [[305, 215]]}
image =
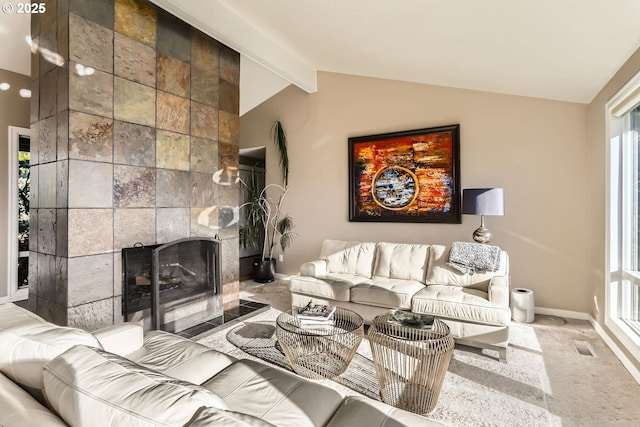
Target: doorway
{"points": [[19, 156], [252, 161]]}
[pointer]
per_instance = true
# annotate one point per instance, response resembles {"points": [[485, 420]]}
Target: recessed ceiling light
{"points": [[25, 93], [4, 86]]}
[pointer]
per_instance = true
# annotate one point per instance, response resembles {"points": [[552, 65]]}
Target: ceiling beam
{"points": [[215, 19]]}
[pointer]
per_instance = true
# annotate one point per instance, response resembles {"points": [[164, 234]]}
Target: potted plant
{"points": [[265, 222]]}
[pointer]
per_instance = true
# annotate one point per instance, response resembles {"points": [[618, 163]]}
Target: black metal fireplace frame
{"points": [[215, 275]]}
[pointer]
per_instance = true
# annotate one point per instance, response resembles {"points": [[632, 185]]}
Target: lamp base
{"points": [[482, 235]]}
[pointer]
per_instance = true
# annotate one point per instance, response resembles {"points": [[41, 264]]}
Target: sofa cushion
{"points": [[357, 411], [348, 257], [19, 408], [465, 304], [28, 342], [384, 292], [335, 286], [442, 274], [401, 261], [180, 357], [273, 395], [87, 386], [215, 418]]}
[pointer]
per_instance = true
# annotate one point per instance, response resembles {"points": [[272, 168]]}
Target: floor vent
{"points": [[583, 348]]}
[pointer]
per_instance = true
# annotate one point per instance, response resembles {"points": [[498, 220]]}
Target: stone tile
{"points": [[204, 86], [134, 187], [51, 312], [35, 57], [134, 60], [172, 150], [62, 184], [172, 188], [48, 48], [33, 229], [117, 272], [34, 171], [90, 44], [62, 282], [90, 137], [50, 14], [134, 102], [63, 135], [229, 261], [92, 316], [133, 226], [62, 233], [47, 231], [228, 158], [48, 94], [98, 11], [47, 185], [204, 155], [173, 113], [229, 97], [203, 190], [47, 135], [231, 295], [90, 184], [34, 105], [91, 94], [204, 121], [134, 144], [174, 37], [35, 143], [204, 222], [172, 224], [137, 20], [46, 276], [62, 23], [228, 214], [229, 129], [92, 231], [229, 65], [173, 75], [90, 278], [205, 51], [63, 88], [35, 27]]}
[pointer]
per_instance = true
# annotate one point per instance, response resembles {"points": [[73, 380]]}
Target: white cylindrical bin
{"points": [[522, 305]]}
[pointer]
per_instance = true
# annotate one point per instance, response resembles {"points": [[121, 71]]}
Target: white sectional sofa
{"points": [[58, 376], [372, 278]]}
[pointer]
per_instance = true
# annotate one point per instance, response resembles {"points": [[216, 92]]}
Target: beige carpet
{"points": [[547, 381]]}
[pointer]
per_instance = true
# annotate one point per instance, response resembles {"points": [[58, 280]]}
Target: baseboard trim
{"points": [[626, 362]]}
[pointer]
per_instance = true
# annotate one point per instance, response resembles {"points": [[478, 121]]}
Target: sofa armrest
{"points": [[499, 290], [121, 339], [315, 268]]}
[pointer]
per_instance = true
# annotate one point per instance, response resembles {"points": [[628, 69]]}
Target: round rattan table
{"points": [[410, 362], [319, 351]]}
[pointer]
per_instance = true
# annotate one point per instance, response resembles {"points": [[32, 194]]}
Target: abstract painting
{"points": [[409, 176]]}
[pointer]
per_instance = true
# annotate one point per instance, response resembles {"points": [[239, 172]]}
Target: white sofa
{"points": [[373, 278], [58, 376]]}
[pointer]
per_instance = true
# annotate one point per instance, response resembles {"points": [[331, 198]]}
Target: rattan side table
{"points": [[410, 362], [320, 350]]}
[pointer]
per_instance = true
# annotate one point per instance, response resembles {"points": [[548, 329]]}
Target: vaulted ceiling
{"points": [[554, 49]]}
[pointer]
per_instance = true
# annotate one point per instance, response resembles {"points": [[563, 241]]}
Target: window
{"points": [[623, 287]]}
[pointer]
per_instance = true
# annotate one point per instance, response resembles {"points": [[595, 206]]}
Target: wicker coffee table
{"points": [[410, 362], [320, 350]]}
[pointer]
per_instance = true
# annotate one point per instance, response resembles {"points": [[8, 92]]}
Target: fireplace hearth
{"points": [[174, 285]]}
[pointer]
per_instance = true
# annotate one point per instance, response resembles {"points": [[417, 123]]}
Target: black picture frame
{"points": [[408, 176]]}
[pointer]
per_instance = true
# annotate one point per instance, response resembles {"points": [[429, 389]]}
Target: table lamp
{"points": [[482, 201]]}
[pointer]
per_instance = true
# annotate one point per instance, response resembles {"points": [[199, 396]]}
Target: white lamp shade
{"points": [[483, 201]]}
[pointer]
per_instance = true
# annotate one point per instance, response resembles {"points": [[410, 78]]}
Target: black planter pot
{"points": [[264, 271]]}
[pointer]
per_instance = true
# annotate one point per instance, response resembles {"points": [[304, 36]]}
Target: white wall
{"points": [[535, 149], [14, 111]]}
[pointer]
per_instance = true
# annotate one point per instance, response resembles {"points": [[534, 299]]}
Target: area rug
{"points": [[258, 339], [545, 382]]}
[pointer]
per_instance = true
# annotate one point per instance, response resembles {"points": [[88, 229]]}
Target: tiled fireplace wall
{"points": [[135, 139]]}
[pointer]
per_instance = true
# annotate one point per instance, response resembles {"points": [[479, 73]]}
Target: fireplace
{"points": [[174, 285]]}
